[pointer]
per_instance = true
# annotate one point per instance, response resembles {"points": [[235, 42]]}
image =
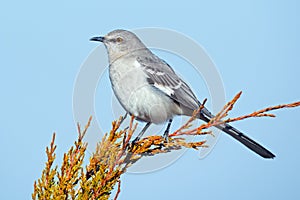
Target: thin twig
{"points": [[262, 112], [119, 190]]}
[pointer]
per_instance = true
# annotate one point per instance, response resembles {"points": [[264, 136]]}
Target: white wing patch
{"points": [[161, 76], [161, 80], [151, 71], [178, 86], [165, 89], [136, 64], [160, 73]]}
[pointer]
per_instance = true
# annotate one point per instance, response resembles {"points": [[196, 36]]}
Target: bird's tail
{"points": [[248, 142]]}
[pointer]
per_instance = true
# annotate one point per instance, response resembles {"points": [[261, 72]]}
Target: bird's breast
{"points": [[137, 96]]}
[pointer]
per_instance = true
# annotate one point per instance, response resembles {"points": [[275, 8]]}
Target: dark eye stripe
{"points": [[112, 40]]}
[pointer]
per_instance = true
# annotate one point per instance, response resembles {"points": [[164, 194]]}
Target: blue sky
{"points": [[255, 46]]}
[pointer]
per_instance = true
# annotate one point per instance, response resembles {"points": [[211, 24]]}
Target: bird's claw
{"points": [[166, 137], [133, 142]]}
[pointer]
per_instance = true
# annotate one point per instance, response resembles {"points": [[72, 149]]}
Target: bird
{"points": [[149, 89]]}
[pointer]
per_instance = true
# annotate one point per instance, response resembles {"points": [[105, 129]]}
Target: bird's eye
{"points": [[119, 39]]}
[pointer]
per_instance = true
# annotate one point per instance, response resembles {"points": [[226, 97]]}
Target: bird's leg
{"points": [[166, 133], [142, 132]]}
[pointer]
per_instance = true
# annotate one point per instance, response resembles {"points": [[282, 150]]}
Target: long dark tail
{"points": [[205, 115]]}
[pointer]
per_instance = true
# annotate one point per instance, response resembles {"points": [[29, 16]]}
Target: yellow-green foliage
{"points": [[115, 153]]}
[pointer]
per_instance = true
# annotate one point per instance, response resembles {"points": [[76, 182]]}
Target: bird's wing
{"points": [[163, 78]]}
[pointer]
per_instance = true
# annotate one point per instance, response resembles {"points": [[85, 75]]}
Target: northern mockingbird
{"points": [[150, 90]]}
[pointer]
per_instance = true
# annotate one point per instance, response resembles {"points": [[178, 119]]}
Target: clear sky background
{"points": [[254, 44]]}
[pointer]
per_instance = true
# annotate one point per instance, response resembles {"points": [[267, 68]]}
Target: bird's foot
{"points": [[166, 137], [133, 142]]}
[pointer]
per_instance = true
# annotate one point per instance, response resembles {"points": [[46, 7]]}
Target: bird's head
{"points": [[120, 43]]}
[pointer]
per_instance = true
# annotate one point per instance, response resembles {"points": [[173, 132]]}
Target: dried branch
{"points": [[118, 191], [114, 154], [262, 112]]}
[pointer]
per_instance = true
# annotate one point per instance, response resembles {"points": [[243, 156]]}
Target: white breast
{"points": [[137, 96]]}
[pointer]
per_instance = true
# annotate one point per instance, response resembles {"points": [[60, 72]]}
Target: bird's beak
{"points": [[98, 39]]}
